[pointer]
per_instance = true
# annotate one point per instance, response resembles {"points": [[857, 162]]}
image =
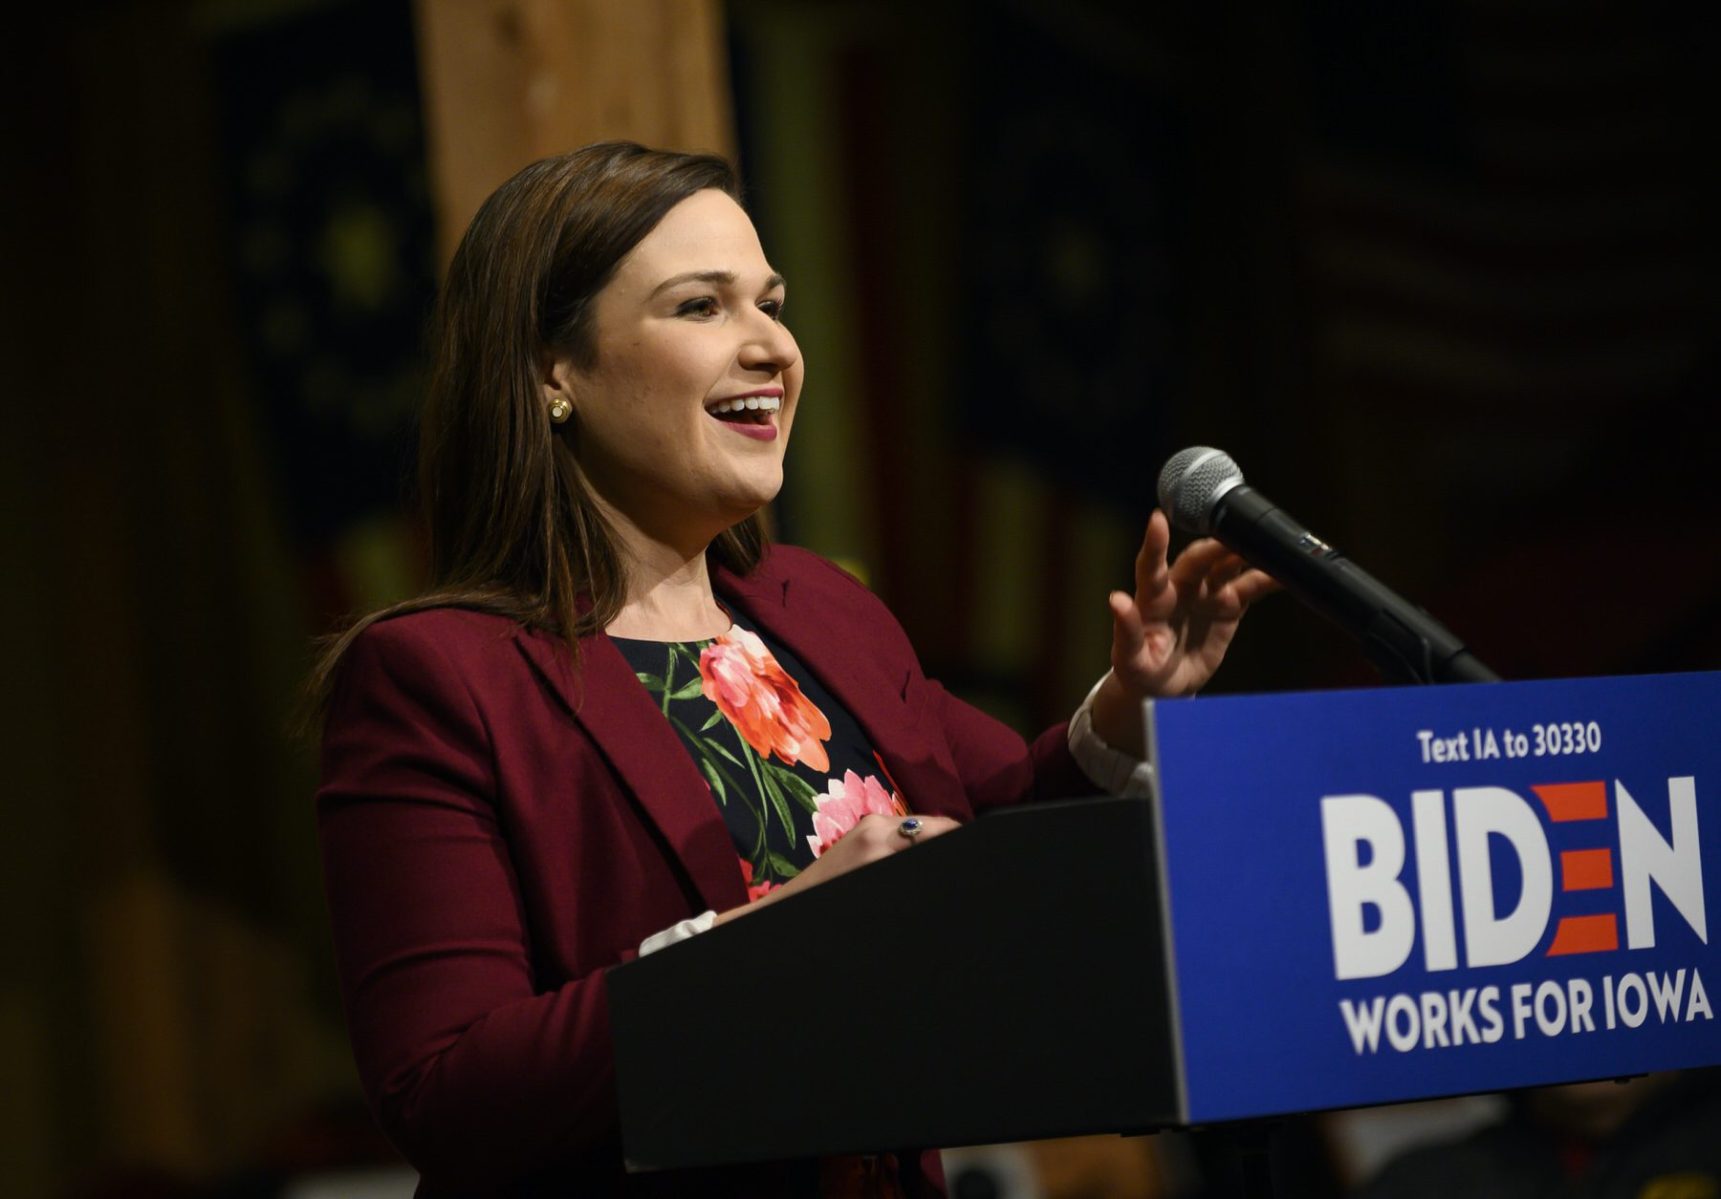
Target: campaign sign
{"points": [[1382, 895]]}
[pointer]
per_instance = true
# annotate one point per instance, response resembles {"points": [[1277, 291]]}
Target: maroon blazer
{"points": [[498, 828]]}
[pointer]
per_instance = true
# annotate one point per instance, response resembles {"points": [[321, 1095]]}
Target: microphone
{"points": [[1202, 491]]}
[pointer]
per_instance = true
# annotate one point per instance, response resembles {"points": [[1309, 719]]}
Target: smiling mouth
{"points": [[748, 410]]}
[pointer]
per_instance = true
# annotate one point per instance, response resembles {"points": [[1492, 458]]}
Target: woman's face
{"points": [[690, 324]]}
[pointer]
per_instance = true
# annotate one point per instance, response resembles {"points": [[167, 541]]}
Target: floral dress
{"points": [[787, 765]]}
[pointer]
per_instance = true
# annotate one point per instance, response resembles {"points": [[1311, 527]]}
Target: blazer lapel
{"points": [[845, 662], [644, 751]]}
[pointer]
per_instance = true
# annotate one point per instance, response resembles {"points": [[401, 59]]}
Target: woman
{"points": [[514, 796]]}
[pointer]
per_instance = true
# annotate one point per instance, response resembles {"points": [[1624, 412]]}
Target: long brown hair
{"points": [[513, 529]]}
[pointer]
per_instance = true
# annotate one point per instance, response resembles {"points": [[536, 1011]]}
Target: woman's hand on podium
{"points": [[873, 837], [1170, 636]]}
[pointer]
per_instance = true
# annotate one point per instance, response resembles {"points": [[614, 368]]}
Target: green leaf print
{"points": [[719, 747], [804, 793], [715, 781], [668, 674], [711, 720], [775, 794], [651, 681], [782, 867], [689, 690]]}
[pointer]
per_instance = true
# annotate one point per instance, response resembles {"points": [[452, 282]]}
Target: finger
{"points": [[907, 831], [1231, 565], [1224, 573], [884, 825], [930, 826], [1128, 631], [1139, 644], [1251, 585], [1198, 560], [1150, 565]]}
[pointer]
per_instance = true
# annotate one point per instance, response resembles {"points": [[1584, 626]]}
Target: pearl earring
{"points": [[560, 410]]}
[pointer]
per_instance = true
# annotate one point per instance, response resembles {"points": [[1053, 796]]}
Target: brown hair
{"points": [[513, 529]]}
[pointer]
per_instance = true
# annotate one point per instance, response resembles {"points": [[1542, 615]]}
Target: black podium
{"points": [[1002, 982], [1319, 911]]}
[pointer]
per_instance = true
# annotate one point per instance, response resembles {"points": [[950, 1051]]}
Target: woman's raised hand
{"points": [[1170, 636]]}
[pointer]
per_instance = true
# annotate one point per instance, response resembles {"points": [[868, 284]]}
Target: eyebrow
{"points": [[719, 278]]}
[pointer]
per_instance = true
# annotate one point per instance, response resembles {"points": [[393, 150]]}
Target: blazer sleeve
{"points": [[474, 1076], [996, 767]]}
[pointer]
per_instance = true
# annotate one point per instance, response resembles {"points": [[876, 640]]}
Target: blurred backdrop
{"points": [[1441, 275]]}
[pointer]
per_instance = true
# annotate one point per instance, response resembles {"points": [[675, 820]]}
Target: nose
{"points": [[770, 347]]}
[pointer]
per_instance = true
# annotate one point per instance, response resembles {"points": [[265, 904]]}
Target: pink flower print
{"points": [[844, 803], [764, 704]]}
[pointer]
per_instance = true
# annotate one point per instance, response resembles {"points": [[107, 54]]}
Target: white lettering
{"points": [[1463, 1027], [1520, 1009], [1401, 1006], [1666, 995], [1489, 1004], [1434, 881], [1551, 1025], [1412, 1021], [1434, 1020], [1675, 866], [1698, 1005], [1363, 1021], [1630, 1014], [1583, 997], [1349, 822], [1479, 813], [1455, 748]]}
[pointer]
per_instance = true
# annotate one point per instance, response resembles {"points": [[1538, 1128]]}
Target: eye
{"points": [[772, 308], [703, 306]]}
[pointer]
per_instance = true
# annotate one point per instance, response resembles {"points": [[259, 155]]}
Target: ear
{"points": [[555, 378]]}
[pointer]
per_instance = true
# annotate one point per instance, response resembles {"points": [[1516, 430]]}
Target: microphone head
{"points": [[1192, 484]]}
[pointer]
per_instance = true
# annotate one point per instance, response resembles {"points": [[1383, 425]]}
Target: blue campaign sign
{"points": [[1392, 894]]}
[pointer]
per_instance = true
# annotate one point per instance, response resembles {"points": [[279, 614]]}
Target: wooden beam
{"points": [[506, 82]]}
